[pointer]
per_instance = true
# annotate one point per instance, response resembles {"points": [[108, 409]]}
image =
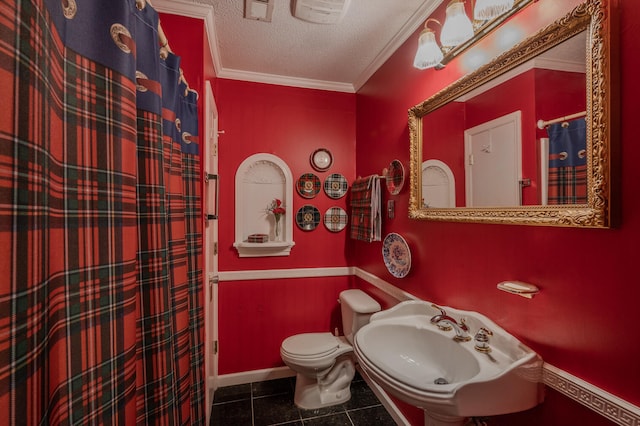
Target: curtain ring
{"points": [[178, 124], [69, 8], [140, 76], [117, 33], [186, 137]]}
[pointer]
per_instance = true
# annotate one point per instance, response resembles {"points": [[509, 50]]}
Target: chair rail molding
{"points": [[604, 403]]}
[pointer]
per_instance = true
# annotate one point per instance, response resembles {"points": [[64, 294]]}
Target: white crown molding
{"points": [[280, 80], [198, 11], [206, 13], [405, 32]]}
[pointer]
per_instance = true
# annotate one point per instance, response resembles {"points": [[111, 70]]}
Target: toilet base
{"points": [[332, 389]]}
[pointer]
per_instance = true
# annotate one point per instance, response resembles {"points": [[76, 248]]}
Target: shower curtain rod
{"points": [[542, 124]]}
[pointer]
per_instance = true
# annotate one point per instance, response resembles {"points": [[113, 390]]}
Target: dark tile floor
{"points": [[271, 403]]}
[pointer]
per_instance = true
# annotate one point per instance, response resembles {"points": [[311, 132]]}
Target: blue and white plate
{"points": [[396, 254]]}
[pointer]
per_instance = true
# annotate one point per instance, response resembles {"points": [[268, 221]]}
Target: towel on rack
{"points": [[366, 217]]}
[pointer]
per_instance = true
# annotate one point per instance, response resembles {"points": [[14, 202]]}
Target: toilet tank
{"points": [[356, 307]]}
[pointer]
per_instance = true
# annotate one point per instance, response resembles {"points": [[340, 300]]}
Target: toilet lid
{"points": [[311, 344]]}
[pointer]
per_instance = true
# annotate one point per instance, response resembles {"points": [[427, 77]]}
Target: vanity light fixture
{"points": [[489, 9], [457, 27], [429, 53], [459, 32]]}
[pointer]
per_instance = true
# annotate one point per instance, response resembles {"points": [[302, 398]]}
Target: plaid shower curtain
{"points": [[101, 314], [568, 162]]}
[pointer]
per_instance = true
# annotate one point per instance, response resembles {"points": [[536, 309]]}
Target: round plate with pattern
{"points": [[396, 254], [336, 186], [308, 185], [335, 219], [321, 159], [308, 217], [395, 177]]}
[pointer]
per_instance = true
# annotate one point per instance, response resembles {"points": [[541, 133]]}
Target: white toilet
{"points": [[324, 363]]}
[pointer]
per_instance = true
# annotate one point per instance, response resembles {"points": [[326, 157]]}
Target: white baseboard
{"points": [[254, 376], [281, 372]]}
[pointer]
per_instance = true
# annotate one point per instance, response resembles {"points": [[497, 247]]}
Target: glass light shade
{"points": [[429, 53], [489, 9], [457, 26]]}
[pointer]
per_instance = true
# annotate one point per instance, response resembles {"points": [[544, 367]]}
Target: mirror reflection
{"points": [[478, 155], [490, 141]]}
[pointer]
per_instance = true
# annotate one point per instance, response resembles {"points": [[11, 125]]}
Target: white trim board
{"points": [[269, 274], [282, 372], [607, 405]]}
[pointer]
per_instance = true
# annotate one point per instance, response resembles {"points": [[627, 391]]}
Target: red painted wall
{"points": [[581, 320], [256, 316], [290, 123], [588, 278], [443, 131]]}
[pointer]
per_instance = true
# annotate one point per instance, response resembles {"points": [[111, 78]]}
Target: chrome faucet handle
{"points": [[439, 317], [436, 318], [482, 340], [463, 324]]}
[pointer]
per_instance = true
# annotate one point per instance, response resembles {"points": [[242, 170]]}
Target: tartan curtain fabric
{"points": [[101, 319], [568, 162]]}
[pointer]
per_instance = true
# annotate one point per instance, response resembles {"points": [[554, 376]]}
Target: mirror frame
{"points": [[595, 17]]}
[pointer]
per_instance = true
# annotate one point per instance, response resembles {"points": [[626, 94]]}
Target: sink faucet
{"points": [[461, 329], [436, 318], [445, 323]]}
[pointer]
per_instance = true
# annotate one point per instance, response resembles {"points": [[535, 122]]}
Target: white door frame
{"points": [[211, 249]]}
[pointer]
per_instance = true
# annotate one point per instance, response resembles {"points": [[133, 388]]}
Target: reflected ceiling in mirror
{"points": [[562, 80]]}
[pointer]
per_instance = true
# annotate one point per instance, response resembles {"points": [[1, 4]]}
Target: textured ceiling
{"points": [[335, 57]]}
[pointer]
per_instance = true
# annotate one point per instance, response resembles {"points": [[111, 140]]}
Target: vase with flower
{"points": [[277, 209]]}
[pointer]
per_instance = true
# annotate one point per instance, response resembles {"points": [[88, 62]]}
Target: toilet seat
{"points": [[311, 345]]}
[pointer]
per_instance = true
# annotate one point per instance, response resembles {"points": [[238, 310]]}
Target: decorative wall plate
{"points": [[321, 159], [308, 185], [396, 254], [308, 217], [335, 219], [336, 186], [395, 177]]}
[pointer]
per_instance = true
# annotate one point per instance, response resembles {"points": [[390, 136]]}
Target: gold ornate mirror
{"points": [[477, 154]]}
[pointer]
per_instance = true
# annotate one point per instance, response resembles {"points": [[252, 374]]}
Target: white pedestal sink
{"points": [[422, 365]]}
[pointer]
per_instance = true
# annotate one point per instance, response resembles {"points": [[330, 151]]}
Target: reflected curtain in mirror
{"points": [[583, 38], [568, 162]]}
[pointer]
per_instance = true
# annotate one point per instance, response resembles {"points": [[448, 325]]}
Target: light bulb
{"points": [[429, 53], [457, 27]]}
